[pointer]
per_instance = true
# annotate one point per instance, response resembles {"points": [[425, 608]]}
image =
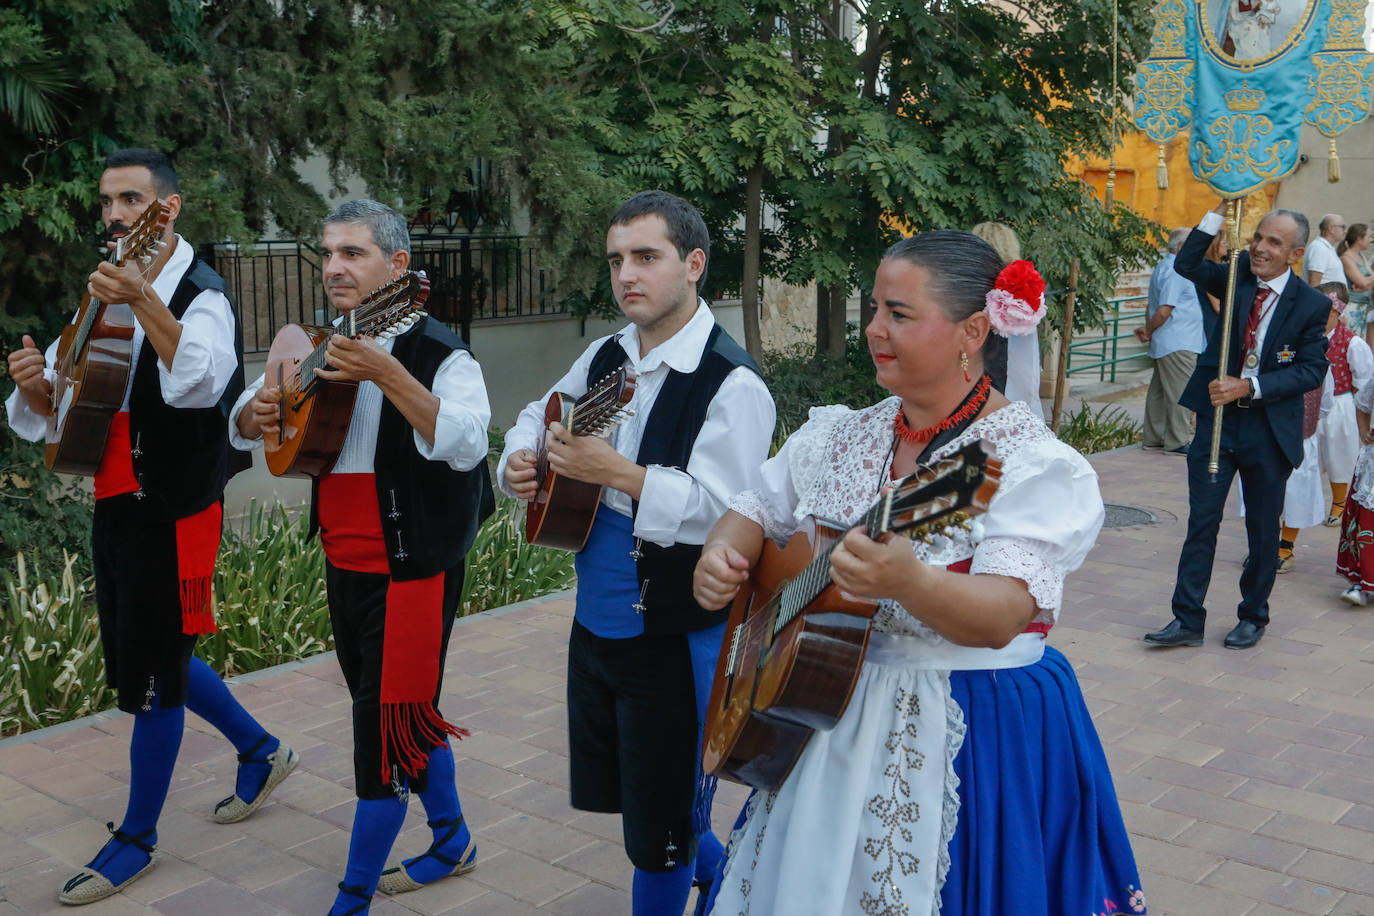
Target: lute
{"points": [[313, 414]]}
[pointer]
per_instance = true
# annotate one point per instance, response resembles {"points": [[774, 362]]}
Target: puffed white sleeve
{"points": [[205, 360], [460, 428], [1361, 360], [775, 503], [1364, 399], [26, 424], [1041, 523], [681, 505]]}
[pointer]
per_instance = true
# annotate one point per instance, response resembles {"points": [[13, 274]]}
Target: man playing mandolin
{"points": [[158, 488], [397, 512], [642, 653]]}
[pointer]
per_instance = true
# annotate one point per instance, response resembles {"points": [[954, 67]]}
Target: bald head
{"points": [[1332, 227]]}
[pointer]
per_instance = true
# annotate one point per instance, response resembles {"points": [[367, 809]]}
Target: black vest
{"points": [[430, 512], [182, 456], [665, 573]]}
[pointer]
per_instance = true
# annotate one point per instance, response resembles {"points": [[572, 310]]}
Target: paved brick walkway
{"points": [[1247, 778]]}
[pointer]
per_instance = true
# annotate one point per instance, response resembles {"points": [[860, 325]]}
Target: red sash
{"points": [[351, 531]]}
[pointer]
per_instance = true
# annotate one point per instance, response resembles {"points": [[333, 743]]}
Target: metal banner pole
{"points": [[1227, 317]]}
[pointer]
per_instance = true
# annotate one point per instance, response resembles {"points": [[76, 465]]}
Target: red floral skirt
{"points": [[1355, 556]]}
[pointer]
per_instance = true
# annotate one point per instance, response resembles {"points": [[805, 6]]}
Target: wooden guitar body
{"points": [[314, 422], [794, 644], [574, 502], [772, 691], [90, 386]]}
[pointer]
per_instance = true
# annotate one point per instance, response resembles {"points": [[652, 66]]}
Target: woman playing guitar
{"points": [[965, 775]]}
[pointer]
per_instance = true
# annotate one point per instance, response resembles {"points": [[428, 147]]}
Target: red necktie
{"points": [[1256, 316]]}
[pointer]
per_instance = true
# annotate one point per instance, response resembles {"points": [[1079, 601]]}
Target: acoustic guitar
{"points": [[563, 510], [796, 643], [313, 414], [94, 357]]}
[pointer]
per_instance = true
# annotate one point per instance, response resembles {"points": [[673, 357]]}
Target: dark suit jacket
{"points": [[1297, 330]]}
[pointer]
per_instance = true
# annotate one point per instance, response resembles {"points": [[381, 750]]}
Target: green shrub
{"points": [[51, 666], [800, 380], [270, 600], [1106, 428]]}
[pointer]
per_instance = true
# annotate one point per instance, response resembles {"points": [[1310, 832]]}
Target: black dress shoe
{"points": [[1244, 635], [1175, 635]]}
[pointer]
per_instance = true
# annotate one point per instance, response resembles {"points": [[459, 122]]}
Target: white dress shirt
{"points": [[460, 429], [675, 505], [201, 368]]}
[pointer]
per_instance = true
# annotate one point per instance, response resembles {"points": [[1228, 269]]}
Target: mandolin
{"points": [[794, 643], [563, 510], [95, 355], [313, 414]]}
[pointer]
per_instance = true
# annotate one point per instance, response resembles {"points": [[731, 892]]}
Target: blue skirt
{"points": [[1040, 829]]}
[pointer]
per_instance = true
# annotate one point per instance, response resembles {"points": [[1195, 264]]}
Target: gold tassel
{"points": [[1333, 164], [1161, 171]]}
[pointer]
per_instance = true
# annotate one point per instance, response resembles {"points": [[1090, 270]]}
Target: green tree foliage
{"points": [[867, 119], [404, 95]]}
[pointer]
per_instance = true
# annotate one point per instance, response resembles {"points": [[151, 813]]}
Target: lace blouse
{"points": [[1040, 525]]}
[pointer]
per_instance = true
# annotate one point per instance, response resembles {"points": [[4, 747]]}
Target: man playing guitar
{"points": [[396, 513], [642, 653], [158, 515]]}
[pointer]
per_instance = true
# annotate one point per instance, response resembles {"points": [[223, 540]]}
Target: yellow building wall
{"points": [[1182, 203]]}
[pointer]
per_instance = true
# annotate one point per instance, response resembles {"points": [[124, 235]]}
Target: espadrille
{"points": [[398, 881], [234, 809], [89, 885]]}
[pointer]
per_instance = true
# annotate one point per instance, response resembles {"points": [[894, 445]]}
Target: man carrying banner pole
{"points": [[1261, 367], [1246, 102]]}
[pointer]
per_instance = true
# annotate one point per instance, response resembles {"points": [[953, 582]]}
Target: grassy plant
{"points": [[1099, 430], [504, 568], [51, 666], [270, 600]]}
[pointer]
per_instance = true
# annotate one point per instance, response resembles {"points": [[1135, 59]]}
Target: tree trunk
{"points": [[839, 330], [822, 319], [749, 293]]}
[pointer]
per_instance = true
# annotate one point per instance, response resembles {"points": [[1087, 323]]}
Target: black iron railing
{"points": [[472, 279]]}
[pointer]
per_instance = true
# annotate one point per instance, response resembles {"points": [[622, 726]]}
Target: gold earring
{"points": [[963, 364]]}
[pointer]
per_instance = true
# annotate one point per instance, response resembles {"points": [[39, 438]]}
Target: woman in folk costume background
{"points": [[965, 776], [1352, 367]]}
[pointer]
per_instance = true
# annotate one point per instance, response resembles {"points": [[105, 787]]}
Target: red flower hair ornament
{"points": [[1016, 302]]}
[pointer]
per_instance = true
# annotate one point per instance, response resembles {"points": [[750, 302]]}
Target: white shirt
{"points": [[1321, 255], [460, 429], [202, 366], [1361, 361], [675, 505], [1211, 224]]}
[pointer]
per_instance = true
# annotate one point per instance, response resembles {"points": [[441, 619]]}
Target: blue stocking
{"points": [[208, 698], [661, 893], [376, 823], [152, 755], [445, 816]]}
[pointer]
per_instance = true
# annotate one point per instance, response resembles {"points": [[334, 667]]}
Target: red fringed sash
{"points": [[410, 674], [197, 545], [197, 536], [351, 531]]}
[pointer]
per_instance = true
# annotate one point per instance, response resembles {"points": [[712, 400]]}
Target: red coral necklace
{"points": [[977, 397]]}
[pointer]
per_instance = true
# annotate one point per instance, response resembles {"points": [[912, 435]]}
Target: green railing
{"points": [[1104, 351]]}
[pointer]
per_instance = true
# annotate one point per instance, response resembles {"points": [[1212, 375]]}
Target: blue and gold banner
{"points": [[1247, 74]]}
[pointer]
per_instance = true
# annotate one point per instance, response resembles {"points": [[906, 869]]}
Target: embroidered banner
{"points": [[1246, 75]]}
